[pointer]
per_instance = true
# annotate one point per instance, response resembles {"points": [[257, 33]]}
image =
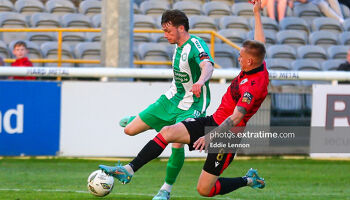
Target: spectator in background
{"points": [[20, 51], [281, 8], [330, 8], [345, 67]]}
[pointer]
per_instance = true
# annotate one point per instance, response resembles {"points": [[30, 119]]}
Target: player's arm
{"points": [[206, 72], [225, 126], [259, 31]]}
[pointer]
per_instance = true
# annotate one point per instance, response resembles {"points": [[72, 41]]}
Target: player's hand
{"points": [[257, 5], [197, 88], [199, 144]]}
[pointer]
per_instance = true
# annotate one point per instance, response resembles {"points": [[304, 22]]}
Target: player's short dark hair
{"points": [[20, 44], [255, 48], [176, 18]]}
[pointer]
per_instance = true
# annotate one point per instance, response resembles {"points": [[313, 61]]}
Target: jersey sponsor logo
{"points": [[198, 45], [203, 55], [247, 97], [181, 77], [184, 57], [244, 81], [253, 83], [196, 114]]}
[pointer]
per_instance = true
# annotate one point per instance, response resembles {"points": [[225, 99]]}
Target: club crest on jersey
{"points": [[247, 97], [244, 81]]}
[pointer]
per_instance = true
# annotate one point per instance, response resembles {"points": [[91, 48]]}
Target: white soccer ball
{"points": [[99, 183]]}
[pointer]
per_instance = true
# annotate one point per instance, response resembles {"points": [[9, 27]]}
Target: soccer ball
{"points": [[99, 183]]}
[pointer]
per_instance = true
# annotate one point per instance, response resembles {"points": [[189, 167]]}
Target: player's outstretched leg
{"points": [[126, 120], [256, 181]]}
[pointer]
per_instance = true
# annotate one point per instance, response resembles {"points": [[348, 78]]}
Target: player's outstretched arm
{"points": [[225, 126], [206, 72], [259, 30]]}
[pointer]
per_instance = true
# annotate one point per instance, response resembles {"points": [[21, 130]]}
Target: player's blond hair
{"points": [[255, 49]]}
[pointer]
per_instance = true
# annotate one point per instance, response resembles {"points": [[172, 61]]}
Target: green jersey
{"points": [[186, 69]]}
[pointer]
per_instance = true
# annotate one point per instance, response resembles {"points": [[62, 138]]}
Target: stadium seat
{"points": [[6, 6], [346, 24], [278, 64], [88, 51], [4, 51], [292, 37], [268, 23], [50, 50], [228, 2], [93, 37], [75, 20], [202, 22], [270, 37], [286, 104], [154, 8], [216, 9], [306, 65], [307, 11], [41, 37], [34, 51], [234, 22], [158, 37], [189, 8], [344, 38], [323, 38], [90, 8], [154, 52], [243, 9], [236, 37], [144, 22], [308, 97], [96, 21], [316, 53], [281, 51], [338, 52], [29, 7], [225, 56], [327, 24], [60, 7], [294, 23], [332, 64], [45, 20], [142, 37], [13, 20], [73, 38]]}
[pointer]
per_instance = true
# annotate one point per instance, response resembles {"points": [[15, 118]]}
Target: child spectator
{"points": [[20, 51]]}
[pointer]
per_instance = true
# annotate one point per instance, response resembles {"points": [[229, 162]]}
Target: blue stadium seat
{"points": [[29, 7], [243, 9], [6, 6], [189, 8], [323, 38], [216, 9], [4, 51], [50, 51], [45, 20], [270, 37], [294, 23], [154, 52], [93, 37], [292, 37], [327, 24], [305, 65], [234, 22], [144, 22], [13, 20], [278, 64], [88, 51], [60, 7], [90, 8], [154, 8], [332, 64], [344, 38], [314, 52], [225, 56], [338, 52], [281, 51], [236, 37], [73, 38], [307, 11], [75, 20], [96, 20], [41, 37], [268, 24]]}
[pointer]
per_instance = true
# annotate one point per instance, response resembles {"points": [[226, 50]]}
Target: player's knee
{"points": [[203, 191], [166, 133], [129, 131]]}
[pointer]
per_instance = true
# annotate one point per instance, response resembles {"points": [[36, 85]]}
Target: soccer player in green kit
{"points": [[188, 96]]}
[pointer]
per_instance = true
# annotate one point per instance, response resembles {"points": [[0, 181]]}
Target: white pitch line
{"points": [[124, 194]]}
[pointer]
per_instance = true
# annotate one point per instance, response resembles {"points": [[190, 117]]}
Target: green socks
{"points": [[174, 165]]}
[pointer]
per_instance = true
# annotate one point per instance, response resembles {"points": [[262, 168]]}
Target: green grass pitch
{"points": [[58, 178]]}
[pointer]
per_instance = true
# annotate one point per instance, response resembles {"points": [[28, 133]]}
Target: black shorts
{"points": [[215, 163]]}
